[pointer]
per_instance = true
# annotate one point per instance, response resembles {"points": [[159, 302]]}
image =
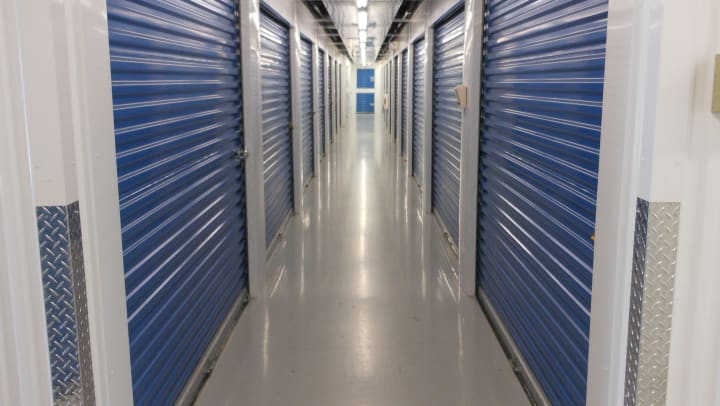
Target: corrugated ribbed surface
{"points": [[448, 62], [331, 96], [307, 86], [386, 91], [365, 102], [396, 96], [177, 104], [418, 126], [366, 78], [340, 95], [542, 89], [404, 104], [276, 119], [321, 99]]}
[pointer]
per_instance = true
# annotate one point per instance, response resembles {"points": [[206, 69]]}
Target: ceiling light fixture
{"points": [[362, 3], [362, 17], [363, 37]]}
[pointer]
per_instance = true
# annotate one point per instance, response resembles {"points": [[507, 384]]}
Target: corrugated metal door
{"points": [[396, 96], [365, 103], [447, 120], [321, 99], [366, 78], [340, 96], [178, 125], [276, 119], [418, 126], [331, 95], [404, 104], [386, 102], [307, 86], [542, 90]]}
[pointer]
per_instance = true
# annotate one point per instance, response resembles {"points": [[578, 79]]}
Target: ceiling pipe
{"points": [[402, 18]]}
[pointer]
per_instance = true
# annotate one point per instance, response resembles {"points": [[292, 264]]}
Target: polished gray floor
{"points": [[362, 305]]}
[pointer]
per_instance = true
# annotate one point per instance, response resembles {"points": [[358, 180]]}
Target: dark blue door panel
{"points": [[177, 107], [418, 125], [276, 119], [366, 78], [404, 100], [447, 120], [542, 92], [307, 87], [365, 102], [321, 103], [331, 95]]}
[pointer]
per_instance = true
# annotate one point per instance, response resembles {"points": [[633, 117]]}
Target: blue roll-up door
{"points": [[404, 104], [366, 78], [418, 125], [276, 119], [365, 103], [340, 96], [447, 120], [396, 97], [542, 92], [178, 126], [321, 99], [331, 95], [307, 102]]}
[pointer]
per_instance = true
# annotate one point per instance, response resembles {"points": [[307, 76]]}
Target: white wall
{"points": [[24, 365], [660, 143], [686, 169]]}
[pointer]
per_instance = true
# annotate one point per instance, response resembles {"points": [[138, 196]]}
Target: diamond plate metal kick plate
{"points": [[651, 302], [63, 274]]}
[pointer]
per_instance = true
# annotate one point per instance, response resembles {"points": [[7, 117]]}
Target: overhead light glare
{"points": [[362, 16], [362, 3], [363, 38]]}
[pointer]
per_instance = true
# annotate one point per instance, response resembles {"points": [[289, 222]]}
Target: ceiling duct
{"points": [[402, 17], [322, 16]]}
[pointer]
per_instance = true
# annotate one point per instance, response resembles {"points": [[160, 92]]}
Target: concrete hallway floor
{"points": [[363, 305]]}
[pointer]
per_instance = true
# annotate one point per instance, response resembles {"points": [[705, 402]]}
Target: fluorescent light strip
{"points": [[362, 17]]}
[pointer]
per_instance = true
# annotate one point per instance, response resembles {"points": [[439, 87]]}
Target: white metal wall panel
{"points": [[307, 121], [418, 124], [448, 62], [276, 118]]}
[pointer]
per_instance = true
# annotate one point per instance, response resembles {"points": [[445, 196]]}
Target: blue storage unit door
{"points": [[307, 86], [276, 121], [177, 103], [447, 120], [396, 96], [542, 92], [331, 95], [366, 103], [404, 104], [321, 99], [340, 94], [418, 125], [366, 78]]}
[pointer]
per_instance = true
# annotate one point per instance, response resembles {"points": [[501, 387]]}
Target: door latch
{"points": [[241, 154]]}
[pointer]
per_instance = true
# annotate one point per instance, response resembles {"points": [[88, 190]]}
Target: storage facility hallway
{"points": [[363, 306], [359, 202]]}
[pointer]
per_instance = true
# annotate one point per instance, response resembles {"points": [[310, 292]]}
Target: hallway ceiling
{"points": [[381, 14]]}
